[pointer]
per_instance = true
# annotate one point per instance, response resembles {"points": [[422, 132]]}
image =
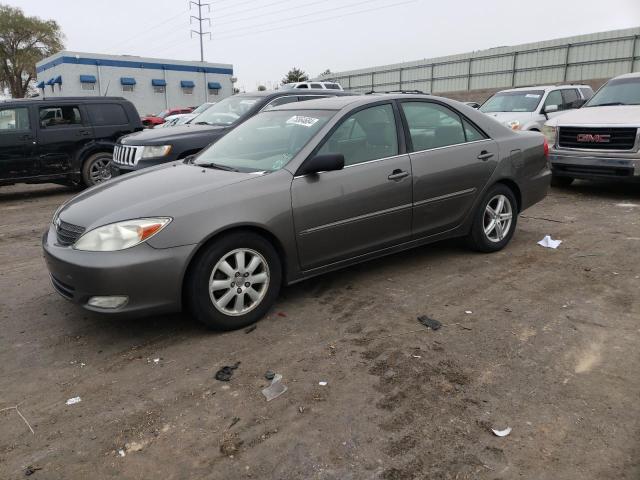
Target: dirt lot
{"points": [[550, 350]]}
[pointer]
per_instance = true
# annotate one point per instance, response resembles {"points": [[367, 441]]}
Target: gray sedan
{"points": [[294, 192]]}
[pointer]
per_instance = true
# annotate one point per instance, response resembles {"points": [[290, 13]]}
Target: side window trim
{"points": [[463, 119], [346, 117], [270, 104]]}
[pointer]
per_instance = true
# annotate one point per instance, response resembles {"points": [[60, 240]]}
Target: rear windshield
{"points": [[519, 101], [622, 91]]}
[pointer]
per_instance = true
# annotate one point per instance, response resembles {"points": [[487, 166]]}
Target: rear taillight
{"points": [[546, 148]]}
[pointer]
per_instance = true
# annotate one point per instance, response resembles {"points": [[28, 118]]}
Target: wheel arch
{"points": [[257, 229], [513, 186]]}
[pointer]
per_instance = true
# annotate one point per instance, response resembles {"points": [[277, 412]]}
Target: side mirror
{"points": [[322, 163], [551, 108]]}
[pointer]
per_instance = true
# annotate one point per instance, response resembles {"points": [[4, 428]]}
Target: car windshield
{"points": [[265, 142], [623, 91], [227, 111], [518, 101]]}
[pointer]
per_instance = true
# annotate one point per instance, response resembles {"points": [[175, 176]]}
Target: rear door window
{"points": [[432, 125], [60, 116], [587, 93], [570, 98], [303, 85], [102, 114]]}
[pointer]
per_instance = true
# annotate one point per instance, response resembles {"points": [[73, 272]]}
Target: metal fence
{"points": [[575, 59]]}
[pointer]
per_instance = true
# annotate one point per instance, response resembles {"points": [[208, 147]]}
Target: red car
{"points": [[151, 121]]}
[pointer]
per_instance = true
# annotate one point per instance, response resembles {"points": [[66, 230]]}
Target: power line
{"points": [[200, 19], [317, 12], [146, 30], [252, 9], [318, 20], [270, 13]]}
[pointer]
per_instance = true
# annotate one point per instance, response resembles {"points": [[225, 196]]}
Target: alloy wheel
{"points": [[239, 282], [100, 171], [498, 217]]}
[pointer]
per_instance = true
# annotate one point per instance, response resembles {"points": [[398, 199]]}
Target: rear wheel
{"points": [[96, 169], [495, 220], [234, 281], [561, 181]]}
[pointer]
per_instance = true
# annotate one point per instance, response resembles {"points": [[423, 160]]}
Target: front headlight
{"points": [[120, 235], [156, 151], [550, 133], [513, 125]]}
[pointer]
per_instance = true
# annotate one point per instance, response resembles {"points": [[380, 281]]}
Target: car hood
{"points": [[505, 117], [146, 193], [611, 115], [173, 134]]}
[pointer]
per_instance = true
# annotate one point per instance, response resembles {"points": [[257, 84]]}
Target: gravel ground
{"points": [[542, 341]]}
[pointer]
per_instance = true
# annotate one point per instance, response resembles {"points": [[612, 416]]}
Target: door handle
{"points": [[85, 133], [398, 174], [484, 155]]}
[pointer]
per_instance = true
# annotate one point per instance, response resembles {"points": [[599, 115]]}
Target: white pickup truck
{"points": [[601, 140]]}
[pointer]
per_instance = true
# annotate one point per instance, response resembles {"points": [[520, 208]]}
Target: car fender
{"points": [[94, 146]]}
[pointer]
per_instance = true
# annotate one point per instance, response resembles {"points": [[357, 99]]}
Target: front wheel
{"points": [[96, 169], [234, 281], [495, 220]]}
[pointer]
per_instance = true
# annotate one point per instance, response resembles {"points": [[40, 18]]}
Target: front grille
{"points": [[610, 138], [67, 233], [63, 289], [126, 154]]}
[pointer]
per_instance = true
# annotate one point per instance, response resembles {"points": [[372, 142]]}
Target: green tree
{"points": [[23, 42], [261, 88], [326, 73], [295, 75]]}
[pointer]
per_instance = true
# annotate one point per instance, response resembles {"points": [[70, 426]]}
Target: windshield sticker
{"points": [[303, 121], [532, 95]]}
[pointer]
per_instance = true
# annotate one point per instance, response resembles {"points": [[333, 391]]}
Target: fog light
{"points": [[114, 301]]}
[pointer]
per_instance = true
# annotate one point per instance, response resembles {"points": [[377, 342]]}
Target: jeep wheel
{"points": [[97, 169]]}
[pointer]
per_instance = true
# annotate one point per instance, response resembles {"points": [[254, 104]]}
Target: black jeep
{"points": [[66, 140]]}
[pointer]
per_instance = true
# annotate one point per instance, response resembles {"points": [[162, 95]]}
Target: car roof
{"points": [[66, 99], [280, 93], [544, 87], [628, 75]]}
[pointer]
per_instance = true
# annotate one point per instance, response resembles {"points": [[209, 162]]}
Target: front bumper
{"points": [[150, 277], [592, 167]]}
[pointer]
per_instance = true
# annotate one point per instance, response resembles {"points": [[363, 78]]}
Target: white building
{"points": [[151, 84]]}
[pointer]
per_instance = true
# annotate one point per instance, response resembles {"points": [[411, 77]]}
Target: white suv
{"points": [[528, 108], [314, 85], [602, 139]]}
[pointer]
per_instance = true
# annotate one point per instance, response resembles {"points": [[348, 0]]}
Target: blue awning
{"points": [[41, 85], [58, 80], [127, 81], [214, 86], [87, 79], [187, 84], [51, 81], [158, 82]]}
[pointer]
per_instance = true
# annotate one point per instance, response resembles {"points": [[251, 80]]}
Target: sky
{"points": [[263, 39]]}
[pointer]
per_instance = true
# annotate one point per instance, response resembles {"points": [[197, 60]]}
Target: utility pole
{"points": [[200, 19]]}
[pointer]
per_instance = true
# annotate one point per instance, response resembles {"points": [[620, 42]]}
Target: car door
{"points": [[364, 207], [17, 143], [62, 131], [451, 160]]}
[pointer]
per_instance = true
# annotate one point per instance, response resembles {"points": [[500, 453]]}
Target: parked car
{"points": [[150, 121], [313, 85], [66, 140], [182, 118], [601, 140], [527, 108], [293, 192], [152, 147]]}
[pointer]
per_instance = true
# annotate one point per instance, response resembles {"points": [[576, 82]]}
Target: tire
{"points": [[96, 169], [561, 182], [497, 238], [217, 267]]}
